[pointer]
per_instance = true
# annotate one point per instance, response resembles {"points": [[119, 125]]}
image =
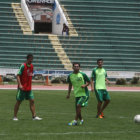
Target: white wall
{"points": [[27, 14], [111, 74], [58, 19], [40, 1]]}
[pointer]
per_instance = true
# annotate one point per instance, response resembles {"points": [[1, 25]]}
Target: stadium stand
{"points": [[107, 29], [14, 45]]}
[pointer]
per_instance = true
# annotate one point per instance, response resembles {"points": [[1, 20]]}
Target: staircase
{"points": [[72, 31], [16, 41], [21, 18], [60, 52]]}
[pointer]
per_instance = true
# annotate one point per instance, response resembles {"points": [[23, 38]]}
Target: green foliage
{"points": [[135, 80], [57, 111], [121, 81], [59, 80], [38, 77], [9, 78]]}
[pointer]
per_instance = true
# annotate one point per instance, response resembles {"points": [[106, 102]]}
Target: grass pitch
{"points": [[57, 111]]}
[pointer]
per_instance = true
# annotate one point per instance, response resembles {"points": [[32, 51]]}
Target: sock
{"points": [[75, 121]]}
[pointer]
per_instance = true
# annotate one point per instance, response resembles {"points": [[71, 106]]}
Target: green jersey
{"points": [[99, 75], [77, 80]]}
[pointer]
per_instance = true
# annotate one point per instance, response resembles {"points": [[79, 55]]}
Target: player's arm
{"points": [[69, 90], [69, 87], [92, 83], [85, 85], [19, 82], [18, 77], [108, 82], [92, 80], [106, 79], [87, 81]]}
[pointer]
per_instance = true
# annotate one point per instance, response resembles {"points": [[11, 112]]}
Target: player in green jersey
{"points": [[99, 79], [79, 81]]}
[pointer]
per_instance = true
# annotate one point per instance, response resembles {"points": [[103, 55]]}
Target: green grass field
{"points": [[57, 111]]}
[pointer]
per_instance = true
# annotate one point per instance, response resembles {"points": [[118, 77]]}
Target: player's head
{"points": [[100, 63], [76, 67], [29, 58]]}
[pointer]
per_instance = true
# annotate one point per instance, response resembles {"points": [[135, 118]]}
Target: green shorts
{"points": [[102, 95], [83, 101], [21, 95]]}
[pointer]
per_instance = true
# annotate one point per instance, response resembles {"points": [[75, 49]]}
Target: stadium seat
{"points": [[15, 45], [106, 29]]}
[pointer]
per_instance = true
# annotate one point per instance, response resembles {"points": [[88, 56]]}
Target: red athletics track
{"points": [[65, 87]]}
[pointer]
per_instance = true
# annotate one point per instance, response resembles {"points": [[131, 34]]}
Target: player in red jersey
{"points": [[24, 79]]}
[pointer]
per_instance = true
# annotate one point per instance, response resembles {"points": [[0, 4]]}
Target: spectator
{"points": [[65, 30]]}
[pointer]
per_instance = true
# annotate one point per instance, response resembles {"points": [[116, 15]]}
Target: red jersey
{"points": [[26, 72]]}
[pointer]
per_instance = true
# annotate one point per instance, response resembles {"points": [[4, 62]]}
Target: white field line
{"points": [[86, 133], [124, 90], [2, 134], [127, 90], [74, 133]]}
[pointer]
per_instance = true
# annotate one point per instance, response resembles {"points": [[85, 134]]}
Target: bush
{"points": [[56, 80], [38, 77], [9, 78], [121, 81], [135, 80], [59, 80]]}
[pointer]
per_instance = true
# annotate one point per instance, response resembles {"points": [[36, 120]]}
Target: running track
{"points": [[61, 87]]}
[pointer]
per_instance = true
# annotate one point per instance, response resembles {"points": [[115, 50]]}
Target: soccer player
{"points": [[24, 79], [98, 79], [79, 81]]}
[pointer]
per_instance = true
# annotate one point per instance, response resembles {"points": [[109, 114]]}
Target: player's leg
{"points": [[106, 99], [105, 105], [30, 97], [99, 97], [80, 116], [19, 97], [78, 113], [82, 100], [74, 122], [16, 108], [32, 107], [78, 110], [99, 105]]}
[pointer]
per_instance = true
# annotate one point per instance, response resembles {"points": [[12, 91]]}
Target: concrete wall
{"points": [[58, 19], [58, 16]]}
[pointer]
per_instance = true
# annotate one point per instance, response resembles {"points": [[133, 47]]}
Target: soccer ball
{"points": [[137, 119]]}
